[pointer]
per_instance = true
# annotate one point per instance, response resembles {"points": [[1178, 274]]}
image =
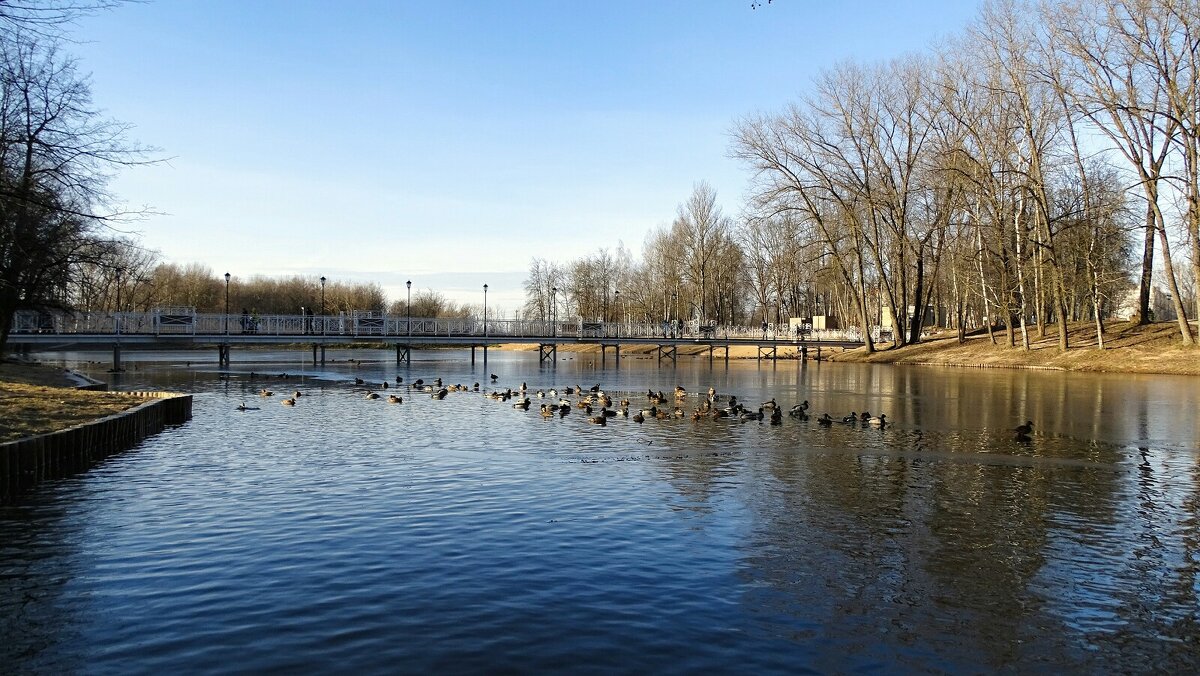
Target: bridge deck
{"points": [[160, 331]]}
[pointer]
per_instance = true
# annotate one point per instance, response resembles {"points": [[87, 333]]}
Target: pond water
{"points": [[462, 535]]}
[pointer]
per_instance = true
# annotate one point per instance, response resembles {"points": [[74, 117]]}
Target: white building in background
{"points": [[1161, 304]]}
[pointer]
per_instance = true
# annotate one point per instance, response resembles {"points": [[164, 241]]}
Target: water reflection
{"points": [[349, 534]]}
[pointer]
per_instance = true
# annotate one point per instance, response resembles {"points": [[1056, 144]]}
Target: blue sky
{"points": [[449, 142]]}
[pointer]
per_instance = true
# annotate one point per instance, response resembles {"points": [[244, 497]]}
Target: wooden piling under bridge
{"points": [[26, 462]]}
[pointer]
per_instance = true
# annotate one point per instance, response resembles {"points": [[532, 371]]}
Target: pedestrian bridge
{"points": [[169, 329]]}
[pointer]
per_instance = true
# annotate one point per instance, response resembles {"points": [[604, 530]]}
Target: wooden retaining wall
{"points": [[25, 462]]}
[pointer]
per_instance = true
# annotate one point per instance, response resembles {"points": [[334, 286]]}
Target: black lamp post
{"points": [[485, 310], [408, 307], [554, 311], [117, 316], [674, 326], [322, 305], [617, 294], [227, 303]]}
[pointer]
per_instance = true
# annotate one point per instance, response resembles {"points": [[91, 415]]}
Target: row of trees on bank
{"points": [[138, 281], [1012, 176]]}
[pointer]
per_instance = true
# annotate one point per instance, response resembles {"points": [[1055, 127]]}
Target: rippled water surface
{"points": [[353, 535]]}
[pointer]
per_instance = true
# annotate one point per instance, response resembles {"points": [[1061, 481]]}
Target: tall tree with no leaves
{"points": [[56, 152]]}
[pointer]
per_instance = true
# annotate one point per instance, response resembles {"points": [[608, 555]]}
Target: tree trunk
{"points": [[1185, 330], [914, 328], [1141, 315], [983, 290], [1020, 236]]}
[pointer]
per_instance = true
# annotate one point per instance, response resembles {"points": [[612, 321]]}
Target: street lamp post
{"points": [[117, 316], [554, 311], [674, 325], [485, 310], [323, 322], [227, 303], [408, 307], [617, 294], [604, 317]]}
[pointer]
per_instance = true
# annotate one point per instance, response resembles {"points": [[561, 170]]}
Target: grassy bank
{"points": [[36, 399], [1127, 349]]}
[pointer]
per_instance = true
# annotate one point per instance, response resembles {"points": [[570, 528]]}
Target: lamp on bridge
{"points": [[485, 310], [617, 295], [554, 310], [408, 308], [226, 303], [117, 316], [674, 314], [322, 305]]}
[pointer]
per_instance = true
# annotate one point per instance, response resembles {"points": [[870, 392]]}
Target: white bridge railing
{"points": [[183, 321]]}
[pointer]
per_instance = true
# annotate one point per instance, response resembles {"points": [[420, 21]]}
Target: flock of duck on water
{"points": [[598, 407]]}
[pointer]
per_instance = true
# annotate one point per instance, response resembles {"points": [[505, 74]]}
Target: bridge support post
{"points": [[223, 355], [403, 354], [616, 348], [668, 352], [116, 367], [712, 348], [472, 355], [548, 352]]}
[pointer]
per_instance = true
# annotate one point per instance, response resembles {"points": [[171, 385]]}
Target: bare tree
{"points": [[1115, 76], [56, 153]]}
